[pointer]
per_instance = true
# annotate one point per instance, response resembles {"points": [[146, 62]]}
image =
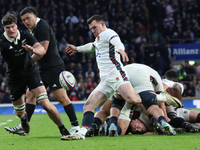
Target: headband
{"points": [[8, 22]]}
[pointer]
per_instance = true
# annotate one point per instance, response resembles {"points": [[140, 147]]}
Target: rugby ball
{"points": [[67, 80]]}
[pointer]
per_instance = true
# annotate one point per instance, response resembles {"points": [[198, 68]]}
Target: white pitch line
{"points": [[3, 123]]}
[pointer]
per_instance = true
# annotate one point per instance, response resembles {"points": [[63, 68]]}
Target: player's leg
{"points": [[154, 110], [94, 101], [17, 90], [50, 77], [42, 98], [61, 96], [19, 107], [99, 118], [182, 120]]}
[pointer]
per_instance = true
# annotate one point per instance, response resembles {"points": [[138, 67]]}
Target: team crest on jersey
{"points": [[185, 112], [117, 78], [98, 38]]}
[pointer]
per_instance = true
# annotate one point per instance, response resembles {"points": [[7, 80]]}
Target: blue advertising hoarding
{"points": [[186, 51]]}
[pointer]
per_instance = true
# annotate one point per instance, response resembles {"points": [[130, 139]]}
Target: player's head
{"points": [[29, 17], [137, 126], [9, 22], [96, 24], [171, 75]]}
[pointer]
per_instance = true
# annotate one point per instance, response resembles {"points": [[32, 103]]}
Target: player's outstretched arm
{"points": [[71, 49]]}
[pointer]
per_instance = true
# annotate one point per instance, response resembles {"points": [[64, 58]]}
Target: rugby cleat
{"points": [[158, 128], [172, 100], [112, 131], [190, 127], [16, 130], [74, 136], [74, 129], [168, 129], [92, 132], [103, 129]]}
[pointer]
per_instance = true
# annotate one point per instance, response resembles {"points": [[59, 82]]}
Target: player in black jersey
{"points": [[16, 48], [50, 65]]}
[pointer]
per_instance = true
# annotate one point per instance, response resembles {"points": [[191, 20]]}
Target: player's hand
{"points": [[71, 49], [28, 48], [124, 55]]}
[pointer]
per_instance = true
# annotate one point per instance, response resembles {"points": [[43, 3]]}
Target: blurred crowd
{"points": [[146, 27]]}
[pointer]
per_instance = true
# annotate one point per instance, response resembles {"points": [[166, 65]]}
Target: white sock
{"points": [[161, 98]]}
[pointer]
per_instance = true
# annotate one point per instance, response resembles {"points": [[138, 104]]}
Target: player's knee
{"points": [[117, 103], [171, 115], [148, 96], [42, 96]]}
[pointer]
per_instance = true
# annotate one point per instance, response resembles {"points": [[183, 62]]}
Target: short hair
{"points": [[95, 17], [28, 10], [9, 19], [171, 75]]}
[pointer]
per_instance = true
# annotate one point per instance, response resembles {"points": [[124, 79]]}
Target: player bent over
{"points": [[16, 48], [146, 82]]}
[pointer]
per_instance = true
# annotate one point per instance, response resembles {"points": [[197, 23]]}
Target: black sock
{"points": [[63, 130], [161, 118], [96, 123], [178, 122], [153, 119], [69, 109], [113, 119], [87, 119], [29, 110]]}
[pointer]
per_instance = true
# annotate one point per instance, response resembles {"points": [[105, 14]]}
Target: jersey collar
{"points": [[31, 30], [15, 41]]}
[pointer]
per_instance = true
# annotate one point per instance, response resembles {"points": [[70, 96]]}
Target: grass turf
{"points": [[45, 135]]}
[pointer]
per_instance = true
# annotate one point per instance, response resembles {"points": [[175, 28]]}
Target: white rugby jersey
{"points": [[170, 84], [107, 58]]}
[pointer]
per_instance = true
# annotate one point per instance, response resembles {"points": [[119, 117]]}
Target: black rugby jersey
{"points": [[44, 32], [19, 61]]}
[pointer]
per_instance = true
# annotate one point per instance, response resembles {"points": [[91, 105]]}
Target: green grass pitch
{"points": [[44, 135]]}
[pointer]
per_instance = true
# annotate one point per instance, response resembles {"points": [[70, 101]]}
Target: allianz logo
{"points": [[39, 111], [184, 51]]}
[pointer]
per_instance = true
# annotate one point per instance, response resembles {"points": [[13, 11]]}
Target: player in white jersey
{"points": [[108, 47]]}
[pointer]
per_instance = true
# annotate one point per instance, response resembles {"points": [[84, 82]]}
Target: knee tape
{"points": [[147, 96], [117, 103], [198, 118], [42, 96], [20, 107]]}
